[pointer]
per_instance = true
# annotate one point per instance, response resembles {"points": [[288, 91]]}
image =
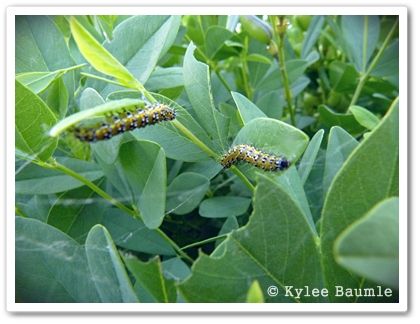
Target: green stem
{"points": [[224, 183], [279, 39], [59, 167], [222, 79], [175, 246], [245, 71], [146, 93], [245, 180], [364, 76], [211, 239], [97, 77], [287, 90], [194, 139]]}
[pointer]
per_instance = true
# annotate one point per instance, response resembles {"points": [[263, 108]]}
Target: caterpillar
{"points": [[251, 155], [125, 121]]}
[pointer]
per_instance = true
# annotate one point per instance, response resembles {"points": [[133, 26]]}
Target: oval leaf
{"points": [[143, 167], [277, 233], [186, 192], [99, 57], [369, 175], [364, 117], [369, 246], [108, 272], [32, 120], [220, 207]]}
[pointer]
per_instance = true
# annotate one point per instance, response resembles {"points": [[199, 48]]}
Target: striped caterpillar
{"points": [[257, 158], [125, 121]]}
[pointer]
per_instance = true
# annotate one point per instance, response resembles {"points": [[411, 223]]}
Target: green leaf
{"points": [[209, 168], [50, 266], [369, 175], [165, 78], [364, 117], [108, 273], [130, 233], [139, 42], [39, 81], [40, 181], [215, 38], [360, 34], [272, 104], [186, 192], [99, 57], [33, 118], [221, 207], [36, 207], [340, 145], [197, 86], [176, 269], [58, 98], [141, 174], [75, 212], [343, 76], [255, 294], [273, 136], [247, 109], [312, 34], [40, 46], [149, 275], [369, 246], [331, 118], [291, 183], [276, 247], [314, 195], [387, 66], [107, 24], [308, 159], [230, 224], [295, 69]]}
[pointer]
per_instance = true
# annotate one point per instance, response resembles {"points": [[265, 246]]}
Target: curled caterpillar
{"points": [[125, 121], [257, 158]]}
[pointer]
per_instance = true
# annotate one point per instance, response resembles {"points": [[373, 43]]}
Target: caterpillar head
{"points": [[167, 113], [282, 164]]}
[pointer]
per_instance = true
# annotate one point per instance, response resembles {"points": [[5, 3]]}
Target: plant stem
{"points": [[194, 139], [175, 246], [97, 77], [364, 76], [245, 180], [279, 39], [245, 71], [211, 239], [287, 90], [222, 79], [59, 167]]}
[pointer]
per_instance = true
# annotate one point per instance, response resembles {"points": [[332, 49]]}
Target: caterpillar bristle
{"points": [[249, 154], [125, 120]]}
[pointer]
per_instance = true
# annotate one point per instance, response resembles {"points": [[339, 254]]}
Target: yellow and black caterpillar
{"points": [[251, 155], [125, 121]]}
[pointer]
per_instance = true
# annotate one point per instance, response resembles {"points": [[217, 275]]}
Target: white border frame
{"points": [[204, 307]]}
